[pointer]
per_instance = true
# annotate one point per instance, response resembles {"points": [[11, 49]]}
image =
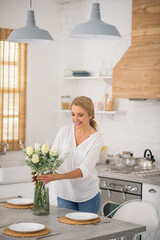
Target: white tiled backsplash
{"points": [[135, 130]]}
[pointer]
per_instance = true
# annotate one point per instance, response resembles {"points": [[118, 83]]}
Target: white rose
{"points": [[35, 158], [37, 147], [45, 148], [53, 151], [29, 150]]}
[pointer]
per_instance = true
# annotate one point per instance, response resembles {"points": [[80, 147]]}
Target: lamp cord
{"points": [[30, 4]]}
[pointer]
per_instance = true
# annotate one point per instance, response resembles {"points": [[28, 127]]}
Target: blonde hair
{"points": [[87, 104]]}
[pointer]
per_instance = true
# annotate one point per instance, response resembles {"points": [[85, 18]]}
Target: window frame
{"points": [[21, 89]]}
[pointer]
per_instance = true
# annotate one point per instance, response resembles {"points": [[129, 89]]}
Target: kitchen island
{"points": [[106, 229]]}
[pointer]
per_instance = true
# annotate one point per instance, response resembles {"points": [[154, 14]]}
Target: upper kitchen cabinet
{"points": [[137, 74]]}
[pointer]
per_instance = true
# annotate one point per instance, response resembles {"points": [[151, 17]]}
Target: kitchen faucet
{"points": [[5, 148]]}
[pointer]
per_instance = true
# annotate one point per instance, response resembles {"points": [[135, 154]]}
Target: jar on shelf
{"points": [[65, 102], [109, 103], [103, 72]]}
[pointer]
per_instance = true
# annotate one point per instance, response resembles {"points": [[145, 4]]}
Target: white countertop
{"points": [[103, 171]]}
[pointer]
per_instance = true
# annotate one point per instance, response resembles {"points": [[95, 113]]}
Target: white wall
{"points": [[43, 64], [137, 129]]}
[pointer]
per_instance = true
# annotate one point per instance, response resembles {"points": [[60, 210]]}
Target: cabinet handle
{"points": [[152, 190]]}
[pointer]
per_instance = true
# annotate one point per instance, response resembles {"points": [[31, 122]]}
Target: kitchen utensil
{"points": [[20, 201], [148, 154], [129, 162], [26, 227], [50, 235], [66, 220], [145, 163], [81, 216], [110, 159], [6, 225], [3, 200]]}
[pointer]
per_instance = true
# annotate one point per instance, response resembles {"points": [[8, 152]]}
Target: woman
{"points": [[78, 187]]}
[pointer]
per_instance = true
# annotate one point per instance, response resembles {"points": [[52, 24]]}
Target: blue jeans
{"points": [[91, 205]]}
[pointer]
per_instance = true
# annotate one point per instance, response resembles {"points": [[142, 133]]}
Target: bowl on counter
{"points": [[130, 161]]}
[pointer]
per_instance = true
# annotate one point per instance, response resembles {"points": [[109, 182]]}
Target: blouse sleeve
{"points": [[91, 159]]}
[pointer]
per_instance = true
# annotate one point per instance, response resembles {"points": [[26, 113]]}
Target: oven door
{"points": [[115, 197]]}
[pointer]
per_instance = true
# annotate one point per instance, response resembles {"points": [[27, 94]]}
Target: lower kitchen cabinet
{"points": [[151, 193]]}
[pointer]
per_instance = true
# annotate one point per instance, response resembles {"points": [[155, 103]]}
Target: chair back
{"points": [[138, 212], [109, 207]]}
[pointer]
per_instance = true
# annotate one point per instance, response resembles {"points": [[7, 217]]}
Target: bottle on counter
{"points": [[118, 159], [102, 157]]}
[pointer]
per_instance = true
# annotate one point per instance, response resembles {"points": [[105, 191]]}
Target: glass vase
{"points": [[41, 199]]}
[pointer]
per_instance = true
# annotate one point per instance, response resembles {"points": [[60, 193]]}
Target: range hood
{"points": [[137, 74]]}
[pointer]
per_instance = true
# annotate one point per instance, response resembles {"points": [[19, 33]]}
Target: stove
{"points": [[136, 171], [118, 191]]}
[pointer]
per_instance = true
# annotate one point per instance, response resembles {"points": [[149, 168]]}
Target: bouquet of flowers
{"points": [[42, 159]]}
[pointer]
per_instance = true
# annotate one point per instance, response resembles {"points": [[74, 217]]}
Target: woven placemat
{"points": [[66, 220], [9, 232], [9, 205]]}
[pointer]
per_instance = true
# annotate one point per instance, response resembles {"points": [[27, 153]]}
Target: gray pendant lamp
{"points": [[95, 28], [30, 33]]}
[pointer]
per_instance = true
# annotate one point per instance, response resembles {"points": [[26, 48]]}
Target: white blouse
{"points": [[84, 156]]}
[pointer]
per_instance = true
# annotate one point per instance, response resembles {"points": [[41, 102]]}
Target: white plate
{"points": [[26, 227], [20, 201], [81, 216]]}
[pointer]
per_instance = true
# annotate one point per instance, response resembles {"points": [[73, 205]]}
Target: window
{"points": [[13, 61]]}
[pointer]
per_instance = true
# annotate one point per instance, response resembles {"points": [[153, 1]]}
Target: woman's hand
{"points": [[57, 176], [48, 178], [33, 177]]}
